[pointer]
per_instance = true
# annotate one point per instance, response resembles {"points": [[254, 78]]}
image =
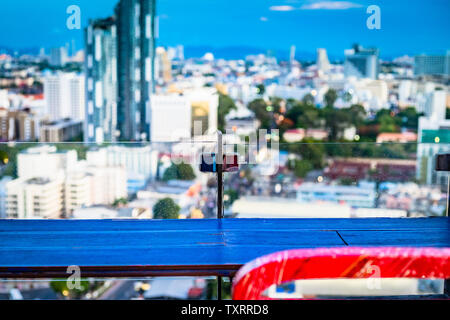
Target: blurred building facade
{"points": [[362, 62], [101, 83], [136, 35]]}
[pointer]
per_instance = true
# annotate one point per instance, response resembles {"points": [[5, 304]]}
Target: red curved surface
{"points": [[330, 263]]}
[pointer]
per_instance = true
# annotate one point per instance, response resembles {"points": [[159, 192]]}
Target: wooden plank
{"points": [[124, 248], [228, 224], [404, 238]]}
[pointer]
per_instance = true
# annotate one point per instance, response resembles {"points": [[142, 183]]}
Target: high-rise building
{"points": [[64, 96], [58, 57], [432, 65], [322, 60], [136, 33], [361, 62], [101, 81], [180, 52], [292, 54]]}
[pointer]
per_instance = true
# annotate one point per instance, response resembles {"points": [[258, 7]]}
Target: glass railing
{"points": [[273, 180]]}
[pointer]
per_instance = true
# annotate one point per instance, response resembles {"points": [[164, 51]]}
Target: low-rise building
{"points": [[365, 168], [355, 196], [296, 135], [61, 130], [18, 125], [402, 137], [34, 198]]}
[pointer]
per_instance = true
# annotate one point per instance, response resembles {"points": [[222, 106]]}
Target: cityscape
{"points": [[115, 129]]}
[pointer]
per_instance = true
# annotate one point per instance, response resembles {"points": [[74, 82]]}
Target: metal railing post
{"points": [[219, 160], [443, 164]]}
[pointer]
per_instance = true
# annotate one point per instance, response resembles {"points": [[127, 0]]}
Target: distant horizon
{"points": [[233, 52], [408, 27]]}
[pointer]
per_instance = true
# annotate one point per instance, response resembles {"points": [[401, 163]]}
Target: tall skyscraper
{"points": [[136, 34], [322, 60], [101, 84], [58, 57], [362, 62], [64, 96], [292, 54]]}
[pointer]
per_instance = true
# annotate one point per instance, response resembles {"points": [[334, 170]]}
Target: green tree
{"points": [[308, 119], [301, 168], [408, 118], [309, 150], [226, 104], [171, 173], [185, 172], [357, 114], [120, 201], [166, 209], [261, 89], [182, 171], [336, 120], [308, 99], [330, 98], [387, 123], [262, 112]]}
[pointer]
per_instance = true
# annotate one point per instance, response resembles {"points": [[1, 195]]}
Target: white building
{"points": [[171, 118], [77, 191], [322, 60], [355, 196], [82, 184], [44, 161], [3, 182], [286, 92], [140, 163], [435, 105], [34, 198], [64, 96], [107, 184], [261, 207]]}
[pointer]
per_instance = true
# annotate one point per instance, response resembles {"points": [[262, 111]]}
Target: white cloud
{"points": [[281, 8], [264, 19], [330, 5]]}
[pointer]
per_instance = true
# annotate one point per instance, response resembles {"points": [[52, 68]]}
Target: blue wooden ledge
{"points": [[128, 248]]}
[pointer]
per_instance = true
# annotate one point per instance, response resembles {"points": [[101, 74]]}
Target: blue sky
{"points": [[407, 26]]}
